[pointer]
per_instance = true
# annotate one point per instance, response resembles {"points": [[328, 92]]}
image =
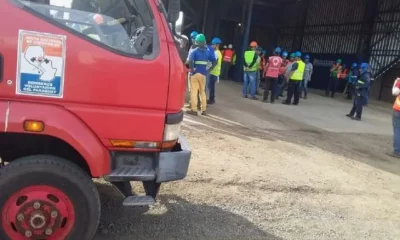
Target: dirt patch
{"points": [[258, 175]]}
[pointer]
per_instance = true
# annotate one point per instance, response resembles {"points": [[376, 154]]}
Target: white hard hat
{"points": [[225, 46], [230, 46]]}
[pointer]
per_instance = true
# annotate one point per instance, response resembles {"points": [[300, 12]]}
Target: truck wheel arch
{"points": [[62, 124]]}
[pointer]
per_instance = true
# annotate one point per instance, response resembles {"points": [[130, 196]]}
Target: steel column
{"points": [[240, 53]]}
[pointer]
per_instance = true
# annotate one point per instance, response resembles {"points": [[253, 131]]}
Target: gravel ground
{"points": [[259, 173]]}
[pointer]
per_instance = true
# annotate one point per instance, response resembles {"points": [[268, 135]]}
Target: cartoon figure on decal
{"points": [[34, 55]]}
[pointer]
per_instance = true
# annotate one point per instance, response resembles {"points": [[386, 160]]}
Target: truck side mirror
{"points": [[179, 23], [174, 8]]}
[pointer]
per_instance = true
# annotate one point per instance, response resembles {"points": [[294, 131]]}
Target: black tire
{"points": [[62, 175]]}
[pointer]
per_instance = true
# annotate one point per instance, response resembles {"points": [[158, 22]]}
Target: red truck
{"points": [[88, 89]]}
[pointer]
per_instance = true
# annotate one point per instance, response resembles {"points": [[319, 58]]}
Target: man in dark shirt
{"points": [[361, 92]]}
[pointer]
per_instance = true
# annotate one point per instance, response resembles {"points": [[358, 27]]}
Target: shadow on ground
{"points": [[171, 218]]}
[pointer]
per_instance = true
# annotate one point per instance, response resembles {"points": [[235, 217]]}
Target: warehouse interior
{"points": [[354, 30]]}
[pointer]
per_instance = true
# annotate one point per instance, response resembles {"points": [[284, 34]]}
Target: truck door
{"points": [[105, 61], [3, 75]]}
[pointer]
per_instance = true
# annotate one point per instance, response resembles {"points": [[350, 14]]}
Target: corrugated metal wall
{"points": [[333, 26], [330, 26], [385, 42], [342, 27]]}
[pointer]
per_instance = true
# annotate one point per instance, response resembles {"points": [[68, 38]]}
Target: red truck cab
{"points": [[88, 89]]}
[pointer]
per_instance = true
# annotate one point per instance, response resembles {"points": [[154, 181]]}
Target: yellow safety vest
{"points": [[217, 69], [299, 73], [249, 57], [234, 59]]}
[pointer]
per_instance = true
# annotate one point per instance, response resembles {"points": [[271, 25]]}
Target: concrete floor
{"points": [[319, 111]]}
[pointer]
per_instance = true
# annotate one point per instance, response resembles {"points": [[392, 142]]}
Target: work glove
{"points": [[218, 79]]}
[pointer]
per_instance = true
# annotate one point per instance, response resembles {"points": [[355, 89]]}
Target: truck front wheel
{"points": [[47, 197]]}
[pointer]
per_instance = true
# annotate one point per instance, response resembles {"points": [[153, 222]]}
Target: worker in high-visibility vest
{"points": [[396, 119], [198, 63], [227, 61], [216, 72], [361, 92], [334, 78], [295, 77], [271, 72], [250, 71]]}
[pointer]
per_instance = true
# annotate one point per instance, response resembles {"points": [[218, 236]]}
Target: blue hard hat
{"points": [[364, 65], [298, 54], [278, 50], [354, 65], [285, 54], [194, 34], [216, 41], [307, 56]]}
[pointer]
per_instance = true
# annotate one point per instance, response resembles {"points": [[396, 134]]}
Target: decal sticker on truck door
{"points": [[41, 64]]}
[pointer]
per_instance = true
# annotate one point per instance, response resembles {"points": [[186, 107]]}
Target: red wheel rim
{"points": [[38, 212]]}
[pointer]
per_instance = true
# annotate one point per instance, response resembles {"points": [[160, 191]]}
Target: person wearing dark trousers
{"points": [[281, 77], [307, 76], [295, 78], [396, 120], [333, 79], [271, 72], [227, 56], [352, 80], [361, 92], [215, 73]]}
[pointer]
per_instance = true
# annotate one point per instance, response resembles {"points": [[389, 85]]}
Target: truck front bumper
{"points": [[174, 165]]}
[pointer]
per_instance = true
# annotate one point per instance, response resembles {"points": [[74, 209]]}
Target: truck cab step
{"points": [[138, 201], [131, 173]]}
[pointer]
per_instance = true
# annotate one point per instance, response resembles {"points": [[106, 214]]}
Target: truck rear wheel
{"points": [[47, 197]]}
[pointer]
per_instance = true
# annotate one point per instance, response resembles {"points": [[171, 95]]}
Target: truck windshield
{"points": [[124, 25]]}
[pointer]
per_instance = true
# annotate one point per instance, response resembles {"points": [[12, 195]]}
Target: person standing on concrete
{"points": [[281, 77], [215, 73], [212, 51], [271, 71], [227, 61], [289, 64], [308, 71], [369, 90], [295, 77], [198, 62], [333, 78], [250, 71], [396, 119], [193, 36], [360, 93], [260, 66], [352, 80]]}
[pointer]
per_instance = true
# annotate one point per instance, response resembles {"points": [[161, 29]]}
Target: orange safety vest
{"points": [[343, 74], [227, 55], [396, 105]]}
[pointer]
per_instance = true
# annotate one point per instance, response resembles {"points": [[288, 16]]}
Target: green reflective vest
{"points": [[217, 69], [248, 58], [299, 73]]}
